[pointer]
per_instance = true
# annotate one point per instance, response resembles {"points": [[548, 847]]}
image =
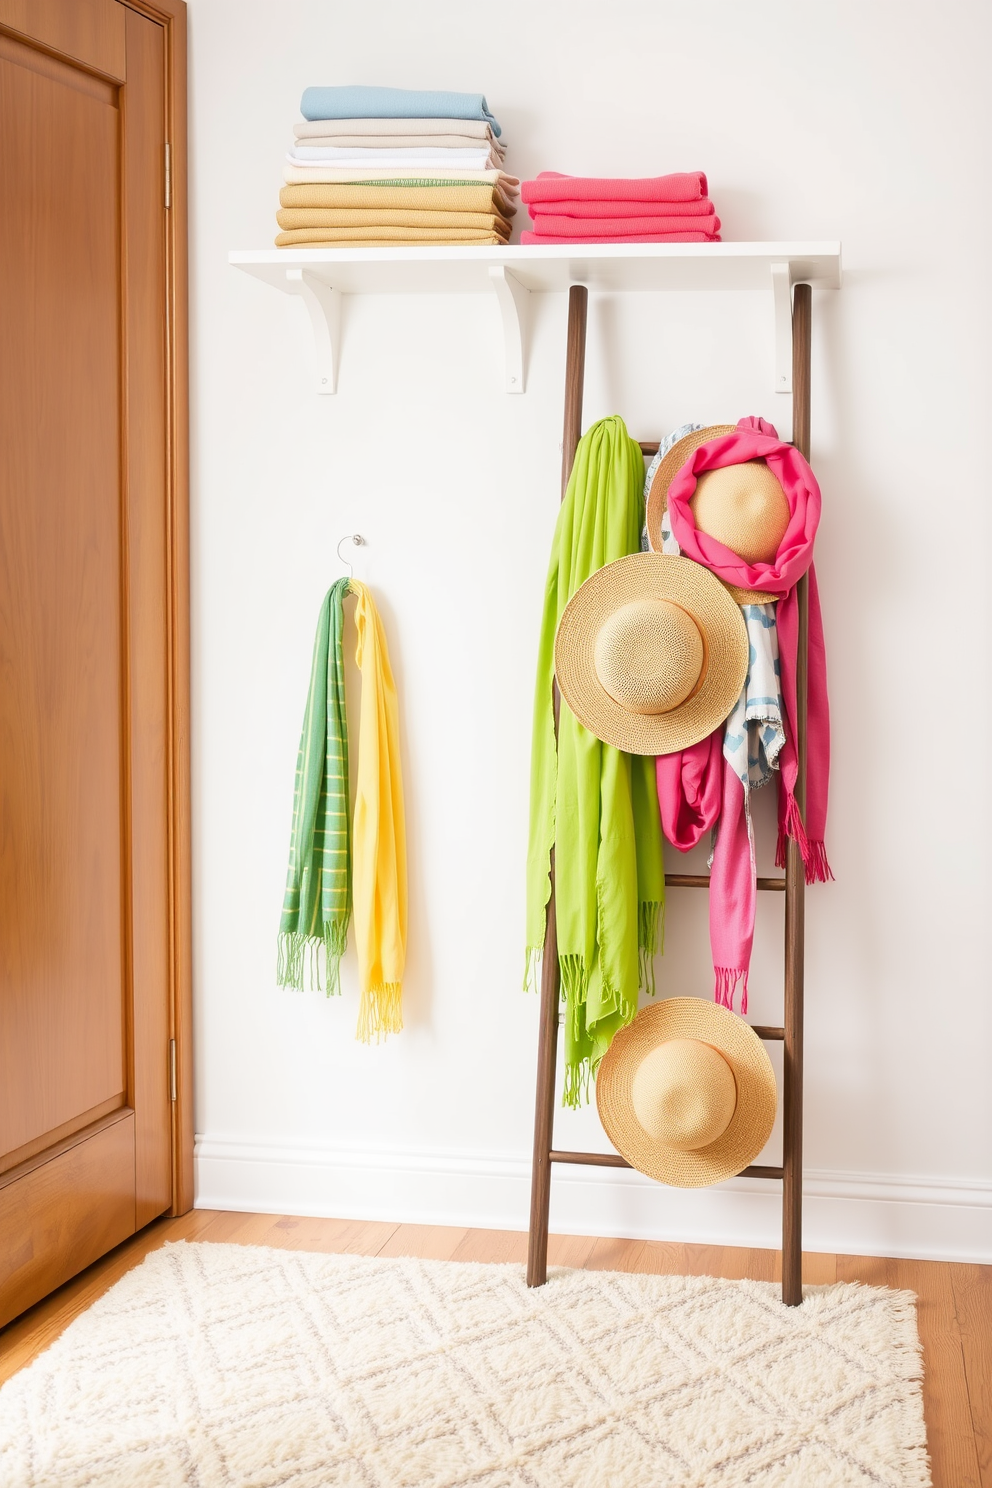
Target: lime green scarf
{"points": [[317, 903], [597, 806]]}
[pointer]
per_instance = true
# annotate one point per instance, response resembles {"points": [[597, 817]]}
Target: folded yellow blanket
{"points": [[381, 237], [290, 217], [315, 128], [467, 196]]}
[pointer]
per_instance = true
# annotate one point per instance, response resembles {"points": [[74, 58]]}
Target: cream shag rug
{"points": [[245, 1367]]}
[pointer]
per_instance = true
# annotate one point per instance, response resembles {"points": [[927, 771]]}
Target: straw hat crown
{"points": [[684, 1094], [742, 506], [649, 655]]}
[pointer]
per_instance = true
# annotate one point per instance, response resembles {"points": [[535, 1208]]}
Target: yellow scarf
{"points": [[379, 838]]}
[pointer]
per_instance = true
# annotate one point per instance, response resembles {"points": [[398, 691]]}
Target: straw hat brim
{"points": [[657, 501], [718, 618], [757, 1095]]}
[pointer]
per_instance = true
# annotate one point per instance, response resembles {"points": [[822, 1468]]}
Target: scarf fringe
{"points": [[818, 870], [792, 827], [533, 962], [289, 962], [816, 866], [574, 986], [380, 1012], [650, 940], [727, 978], [578, 1082], [300, 965]]}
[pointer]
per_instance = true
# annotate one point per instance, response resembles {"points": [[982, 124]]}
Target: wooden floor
{"points": [[955, 1301]]}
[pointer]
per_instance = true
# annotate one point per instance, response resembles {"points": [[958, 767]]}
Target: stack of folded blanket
{"points": [[654, 209], [380, 166]]}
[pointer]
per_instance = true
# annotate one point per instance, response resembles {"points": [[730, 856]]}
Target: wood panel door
{"points": [[94, 1139]]}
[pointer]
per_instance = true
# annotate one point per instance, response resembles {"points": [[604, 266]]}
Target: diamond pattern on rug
{"points": [[230, 1366]]}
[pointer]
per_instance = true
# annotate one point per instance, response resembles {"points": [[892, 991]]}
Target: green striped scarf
{"points": [[317, 904]]}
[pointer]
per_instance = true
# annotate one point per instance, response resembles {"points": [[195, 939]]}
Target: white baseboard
{"points": [[850, 1213]]}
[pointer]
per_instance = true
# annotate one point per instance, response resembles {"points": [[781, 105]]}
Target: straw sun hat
{"points": [[743, 505], [651, 653], [686, 1093]]}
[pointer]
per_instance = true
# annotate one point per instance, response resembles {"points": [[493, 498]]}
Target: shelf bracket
{"points": [[324, 307], [782, 298], [513, 299]]}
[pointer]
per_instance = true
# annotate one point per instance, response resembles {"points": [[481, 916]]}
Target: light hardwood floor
{"points": [[955, 1301]]}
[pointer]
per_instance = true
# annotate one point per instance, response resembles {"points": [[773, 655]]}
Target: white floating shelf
{"points": [[321, 275]]}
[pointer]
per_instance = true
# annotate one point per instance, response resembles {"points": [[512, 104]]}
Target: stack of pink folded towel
{"points": [[654, 209]]}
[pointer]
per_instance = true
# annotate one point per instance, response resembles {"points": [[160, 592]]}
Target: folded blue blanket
{"points": [[393, 103]]}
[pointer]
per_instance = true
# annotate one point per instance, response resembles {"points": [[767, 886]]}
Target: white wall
{"points": [[866, 122]]}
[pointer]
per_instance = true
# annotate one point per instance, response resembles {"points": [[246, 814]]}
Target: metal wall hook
{"points": [[359, 541]]}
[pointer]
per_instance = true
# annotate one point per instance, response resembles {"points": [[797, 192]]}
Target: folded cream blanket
{"points": [[461, 159], [381, 237], [292, 217], [456, 196], [317, 128]]}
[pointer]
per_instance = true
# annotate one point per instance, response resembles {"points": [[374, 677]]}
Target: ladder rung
{"points": [[614, 1160], [764, 1032], [702, 881], [648, 446], [594, 1159]]}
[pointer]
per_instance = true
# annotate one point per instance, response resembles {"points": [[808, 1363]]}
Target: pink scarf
{"points": [[698, 789], [694, 793]]}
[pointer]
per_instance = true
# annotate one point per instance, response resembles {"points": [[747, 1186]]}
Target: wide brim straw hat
{"points": [[651, 653], [742, 505], [686, 1093]]}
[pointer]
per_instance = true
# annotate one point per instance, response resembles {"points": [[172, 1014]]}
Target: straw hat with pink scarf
{"points": [[701, 787]]}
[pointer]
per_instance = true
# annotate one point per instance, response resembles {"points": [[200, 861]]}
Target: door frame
{"points": [[171, 15]]}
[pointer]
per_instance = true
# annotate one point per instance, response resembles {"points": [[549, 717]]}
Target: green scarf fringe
{"points": [[580, 1073], [299, 962]]}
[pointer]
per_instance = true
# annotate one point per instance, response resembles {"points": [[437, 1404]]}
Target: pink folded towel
{"points": [[670, 237], [632, 226], [701, 208], [551, 186]]}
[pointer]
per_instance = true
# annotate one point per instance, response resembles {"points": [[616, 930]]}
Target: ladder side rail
{"points": [[547, 1047], [795, 878]]}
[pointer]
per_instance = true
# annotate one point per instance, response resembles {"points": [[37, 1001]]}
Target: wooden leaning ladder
{"points": [[793, 883]]}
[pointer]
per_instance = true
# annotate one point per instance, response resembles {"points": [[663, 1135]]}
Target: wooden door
{"points": [[94, 1108]]}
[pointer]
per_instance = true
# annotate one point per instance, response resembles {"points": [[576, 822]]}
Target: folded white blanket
{"points": [[474, 128]]}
